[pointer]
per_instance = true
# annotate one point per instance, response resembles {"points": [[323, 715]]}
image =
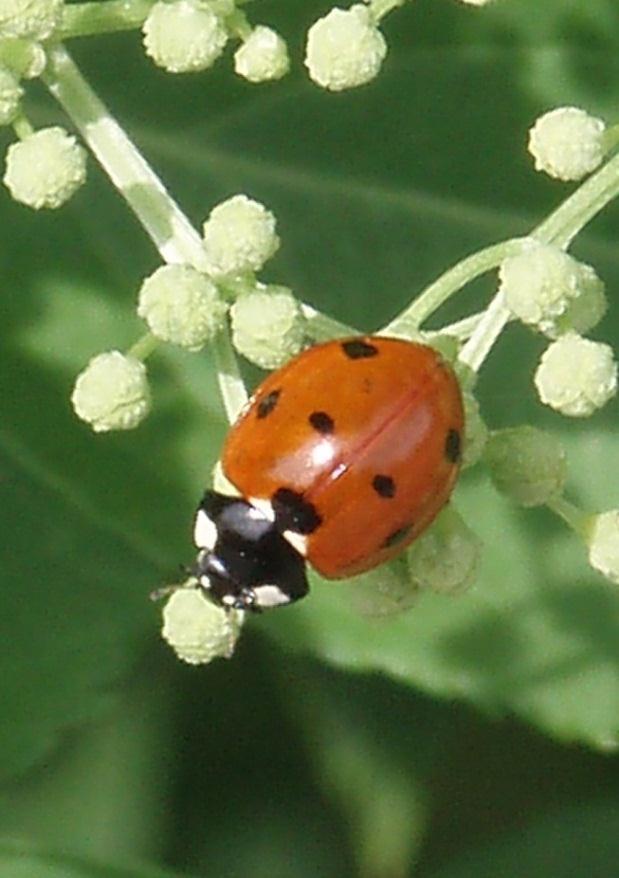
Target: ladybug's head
{"points": [[244, 562]]}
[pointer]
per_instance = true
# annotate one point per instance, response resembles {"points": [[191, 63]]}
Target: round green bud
{"points": [[11, 94], [576, 376], [112, 392], [263, 56], [475, 431], [45, 169], [526, 464], [185, 36], [23, 57], [345, 48], [603, 543], [567, 143], [268, 327], [35, 19], [548, 289], [197, 630], [386, 591], [181, 305], [239, 236], [445, 558]]}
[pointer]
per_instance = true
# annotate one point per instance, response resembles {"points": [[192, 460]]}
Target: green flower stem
{"points": [[380, 8], [484, 336], [143, 347], [231, 386], [409, 321], [562, 226], [575, 518], [167, 226], [238, 24], [559, 229], [461, 329], [86, 19], [22, 127], [323, 328]]}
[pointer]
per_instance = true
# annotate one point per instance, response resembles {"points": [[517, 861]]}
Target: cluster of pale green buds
{"points": [[44, 168], [187, 307], [550, 291], [187, 36], [563, 299], [555, 294], [345, 49]]}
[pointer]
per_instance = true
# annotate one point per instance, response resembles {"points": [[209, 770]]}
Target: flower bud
{"points": [[445, 558], [185, 36], [181, 305], [576, 376], [239, 236], [548, 289], [45, 169], [35, 19], [345, 48], [567, 143], [25, 58], [112, 392], [386, 591], [197, 630], [526, 464], [263, 56], [268, 326]]}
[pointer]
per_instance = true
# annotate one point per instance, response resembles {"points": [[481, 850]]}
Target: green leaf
{"points": [[373, 746], [571, 841], [20, 861]]}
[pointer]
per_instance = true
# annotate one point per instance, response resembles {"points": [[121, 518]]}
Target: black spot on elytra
{"points": [[322, 422], [358, 349], [397, 536], [267, 404], [453, 447], [384, 486], [293, 512]]}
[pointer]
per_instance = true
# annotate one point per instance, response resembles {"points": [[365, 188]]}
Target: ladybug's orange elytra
{"points": [[367, 431]]}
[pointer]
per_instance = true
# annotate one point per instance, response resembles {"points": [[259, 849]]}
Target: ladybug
{"points": [[342, 457]]}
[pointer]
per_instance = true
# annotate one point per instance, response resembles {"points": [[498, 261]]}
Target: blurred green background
{"points": [[470, 737]]}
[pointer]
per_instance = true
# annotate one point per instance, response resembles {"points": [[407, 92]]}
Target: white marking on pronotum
{"points": [[204, 531], [270, 596], [264, 506], [297, 541]]}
